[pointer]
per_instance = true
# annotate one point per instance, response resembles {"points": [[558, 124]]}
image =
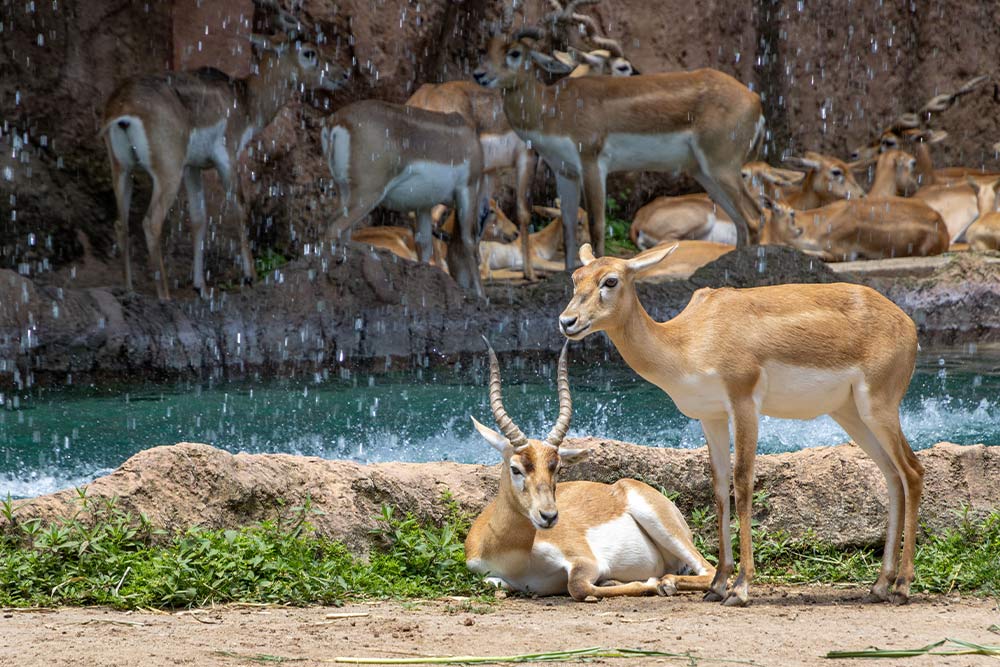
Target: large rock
{"points": [[835, 491]]}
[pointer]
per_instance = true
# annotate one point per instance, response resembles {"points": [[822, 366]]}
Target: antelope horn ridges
{"points": [[558, 432], [507, 426]]}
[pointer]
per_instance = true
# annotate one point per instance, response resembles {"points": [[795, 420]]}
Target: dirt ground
{"points": [[784, 626]]}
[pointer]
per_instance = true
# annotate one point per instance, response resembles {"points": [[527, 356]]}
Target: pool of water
{"points": [[57, 438]]}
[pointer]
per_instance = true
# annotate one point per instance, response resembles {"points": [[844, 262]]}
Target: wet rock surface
{"points": [[368, 309], [836, 493]]}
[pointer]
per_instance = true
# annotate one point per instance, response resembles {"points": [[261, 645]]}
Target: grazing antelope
{"points": [[545, 246], [174, 125], [584, 538], [984, 234], [703, 122], [859, 229], [407, 159], [789, 351]]}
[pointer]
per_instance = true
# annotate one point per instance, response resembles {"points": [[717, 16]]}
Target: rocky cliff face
{"points": [[836, 493], [831, 75]]}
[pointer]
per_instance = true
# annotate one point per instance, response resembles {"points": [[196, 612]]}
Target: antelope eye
{"points": [[836, 173], [610, 282], [516, 471], [514, 54]]}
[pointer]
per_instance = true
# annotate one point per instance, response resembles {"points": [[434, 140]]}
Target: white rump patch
{"points": [[337, 147], [130, 145]]}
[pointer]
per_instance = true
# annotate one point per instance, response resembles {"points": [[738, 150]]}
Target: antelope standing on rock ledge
{"points": [[789, 351], [603, 540], [703, 122], [176, 124]]}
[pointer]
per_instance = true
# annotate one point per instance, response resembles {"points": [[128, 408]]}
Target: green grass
{"points": [[616, 230], [115, 558], [104, 555], [965, 557]]}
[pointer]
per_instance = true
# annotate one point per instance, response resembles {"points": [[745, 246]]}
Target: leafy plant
{"points": [[269, 260], [616, 229]]}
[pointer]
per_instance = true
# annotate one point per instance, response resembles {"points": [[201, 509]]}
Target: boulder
{"points": [[835, 492]]}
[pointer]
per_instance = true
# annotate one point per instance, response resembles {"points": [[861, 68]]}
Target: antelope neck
{"points": [[653, 349]]}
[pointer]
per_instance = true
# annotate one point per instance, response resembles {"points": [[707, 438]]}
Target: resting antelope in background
{"points": [[984, 234], [789, 351], [545, 246], [584, 538], [408, 159], [174, 125], [703, 122], [503, 149]]}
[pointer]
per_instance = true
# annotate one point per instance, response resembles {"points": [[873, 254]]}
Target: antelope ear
{"points": [[651, 257], [569, 457], [586, 254], [497, 441], [800, 162], [564, 58], [550, 64]]}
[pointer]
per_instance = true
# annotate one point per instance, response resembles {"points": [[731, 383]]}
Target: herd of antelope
{"points": [[562, 91]]}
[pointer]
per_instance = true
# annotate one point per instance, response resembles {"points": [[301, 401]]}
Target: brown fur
{"points": [[724, 338], [860, 229], [984, 234], [385, 140], [483, 109], [721, 115], [174, 104], [688, 258]]}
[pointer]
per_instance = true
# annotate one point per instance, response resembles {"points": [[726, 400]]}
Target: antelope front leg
{"points": [[526, 163], [717, 434], [235, 207], [568, 188], [745, 422], [594, 193]]}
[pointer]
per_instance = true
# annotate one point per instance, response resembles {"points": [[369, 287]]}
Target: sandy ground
{"points": [[784, 626]]}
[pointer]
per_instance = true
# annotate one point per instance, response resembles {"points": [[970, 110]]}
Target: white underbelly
{"points": [[206, 144], [701, 396], [562, 154], [624, 552], [802, 392], [545, 571], [647, 152], [425, 184]]}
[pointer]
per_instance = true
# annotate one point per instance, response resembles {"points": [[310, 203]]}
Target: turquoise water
{"points": [[57, 438]]}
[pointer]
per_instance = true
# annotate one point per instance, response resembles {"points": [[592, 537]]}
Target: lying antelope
{"points": [[823, 180], [545, 246], [789, 351], [402, 242], [407, 159], [703, 122], [685, 260], [984, 234], [176, 124], [859, 229], [602, 540]]}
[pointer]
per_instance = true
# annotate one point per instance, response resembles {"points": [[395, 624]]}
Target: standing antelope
{"points": [[603, 540], [407, 159], [703, 122], [503, 149], [789, 351], [177, 124]]}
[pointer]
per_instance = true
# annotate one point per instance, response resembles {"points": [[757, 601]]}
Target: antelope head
{"points": [[826, 174], [289, 57], [531, 467], [510, 60], [604, 290]]}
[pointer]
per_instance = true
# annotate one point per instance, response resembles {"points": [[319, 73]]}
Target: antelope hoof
{"points": [[666, 588], [737, 599], [712, 596], [878, 593], [900, 598]]}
